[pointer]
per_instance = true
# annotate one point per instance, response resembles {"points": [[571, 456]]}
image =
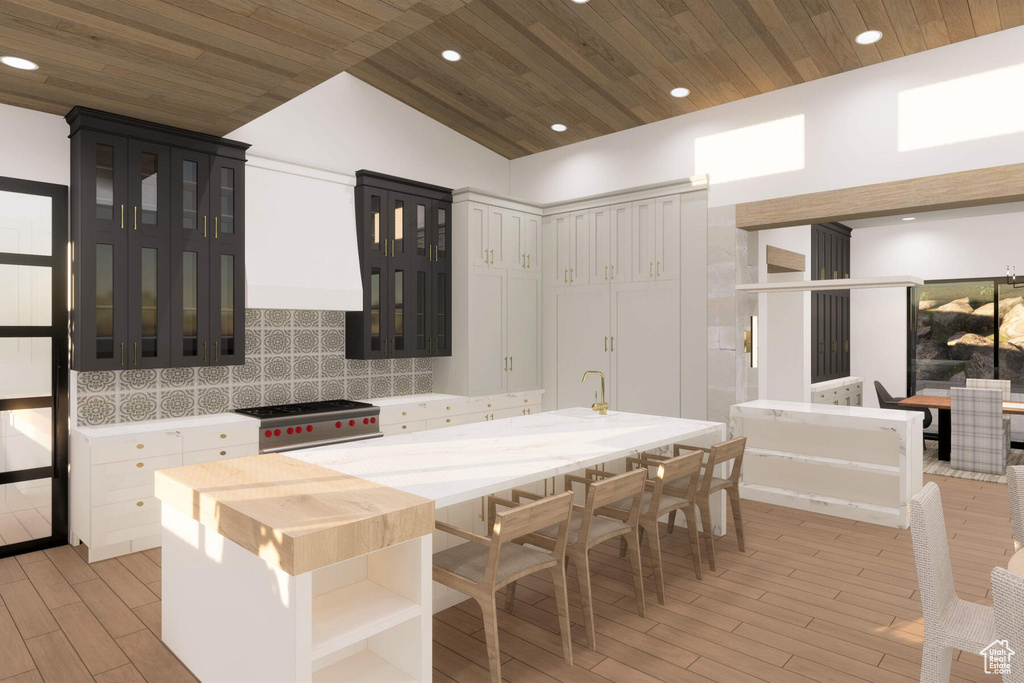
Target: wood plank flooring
{"points": [[813, 598]]}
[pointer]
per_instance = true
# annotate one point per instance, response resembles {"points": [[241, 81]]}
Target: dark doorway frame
{"points": [[59, 333]]}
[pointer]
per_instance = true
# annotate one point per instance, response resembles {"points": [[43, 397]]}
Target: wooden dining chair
{"points": [[726, 451], [588, 529], [487, 563], [658, 500]]}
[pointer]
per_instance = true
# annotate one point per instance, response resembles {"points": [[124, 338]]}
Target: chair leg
{"points": [[562, 603], [632, 539], [709, 534], [510, 596], [582, 562], [691, 527], [490, 614], [935, 663], [671, 521], [737, 515], [654, 543]]}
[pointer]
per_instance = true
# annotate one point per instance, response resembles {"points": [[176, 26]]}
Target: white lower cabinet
{"points": [[113, 509]]}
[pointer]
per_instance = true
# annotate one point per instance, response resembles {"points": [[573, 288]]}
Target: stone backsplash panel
{"points": [[291, 357]]}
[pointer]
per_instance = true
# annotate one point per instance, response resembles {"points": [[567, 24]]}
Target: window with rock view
{"points": [[966, 329]]}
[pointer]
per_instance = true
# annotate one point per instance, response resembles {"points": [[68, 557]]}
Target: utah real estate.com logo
{"points": [[997, 657]]}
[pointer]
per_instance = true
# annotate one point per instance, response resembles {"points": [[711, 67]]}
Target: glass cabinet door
{"points": [[149, 188], [439, 295], [227, 251], [104, 185], [190, 272]]}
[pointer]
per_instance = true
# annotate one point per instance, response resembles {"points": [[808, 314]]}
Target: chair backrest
{"points": [[1002, 385], [1015, 486], [978, 439], [732, 449], [612, 490], [1008, 599], [884, 397], [931, 555], [673, 469], [525, 519]]}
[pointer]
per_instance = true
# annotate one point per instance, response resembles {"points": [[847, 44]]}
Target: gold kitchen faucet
{"points": [[601, 407]]}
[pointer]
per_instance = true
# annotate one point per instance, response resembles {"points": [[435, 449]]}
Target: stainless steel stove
{"points": [[304, 425]]}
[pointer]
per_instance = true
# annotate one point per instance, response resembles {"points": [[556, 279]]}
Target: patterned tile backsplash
{"points": [[291, 357]]}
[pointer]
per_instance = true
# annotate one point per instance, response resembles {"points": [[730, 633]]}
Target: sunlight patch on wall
{"points": [[974, 107], [760, 150]]}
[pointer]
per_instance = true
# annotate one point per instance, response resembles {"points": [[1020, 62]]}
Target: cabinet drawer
{"points": [[133, 479], [125, 521], [439, 422], [404, 427], [226, 453], [134, 447], [504, 401], [219, 437]]}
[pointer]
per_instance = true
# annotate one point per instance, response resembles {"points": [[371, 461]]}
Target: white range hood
{"points": [[300, 241]]}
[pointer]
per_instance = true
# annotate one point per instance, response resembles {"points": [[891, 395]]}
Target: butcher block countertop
{"points": [[295, 515]]}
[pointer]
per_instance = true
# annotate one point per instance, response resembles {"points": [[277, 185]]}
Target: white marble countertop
{"points": [[429, 398], [795, 407], [464, 462], [168, 425], [836, 383]]}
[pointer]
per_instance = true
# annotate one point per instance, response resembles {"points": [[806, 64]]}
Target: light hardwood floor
{"points": [[813, 598]]}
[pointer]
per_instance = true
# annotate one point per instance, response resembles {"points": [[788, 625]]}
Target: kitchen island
{"points": [[457, 467]]}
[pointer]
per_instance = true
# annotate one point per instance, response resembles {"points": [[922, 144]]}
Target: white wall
{"points": [[784, 324], [979, 246], [852, 132], [346, 125], [34, 146]]}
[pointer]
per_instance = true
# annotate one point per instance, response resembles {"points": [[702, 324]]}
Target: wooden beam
{"points": [[979, 187], [783, 261]]}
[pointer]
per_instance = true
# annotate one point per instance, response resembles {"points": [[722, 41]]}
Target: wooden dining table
{"points": [[942, 405]]}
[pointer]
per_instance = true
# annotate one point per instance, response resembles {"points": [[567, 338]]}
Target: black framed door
{"points": [[33, 366]]}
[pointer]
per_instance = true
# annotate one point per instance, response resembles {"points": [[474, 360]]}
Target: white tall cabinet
{"points": [[496, 298], [625, 292]]}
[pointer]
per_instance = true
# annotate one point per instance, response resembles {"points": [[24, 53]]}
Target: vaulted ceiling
{"points": [[598, 67]]}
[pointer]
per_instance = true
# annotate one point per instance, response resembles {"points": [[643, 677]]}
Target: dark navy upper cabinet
{"points": [[404, 235], [158, 226]]}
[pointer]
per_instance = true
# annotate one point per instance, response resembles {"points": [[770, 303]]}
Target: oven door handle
{"points": [[315, 444]]}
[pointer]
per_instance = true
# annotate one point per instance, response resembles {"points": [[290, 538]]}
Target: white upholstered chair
{"points": [[1008, 598], [949, 622], [1015, 484], [981, 437]]}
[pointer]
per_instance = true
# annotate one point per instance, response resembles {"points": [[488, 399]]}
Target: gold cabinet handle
{"points": [[613, 343], [613, 270], [606, 272], [216, 226], [140, 446], [447, 407], [528, 261], [835, 274], [835, 346], [506, 363], [215, 354], [122, 354], [657, 268], [821, 348], [135, 353], [606, 344], [492, 257], [122, 216], [570, 276], [447, 419], [139, 464], [523, 257], [139, 504], [392, 249], [510, 366], [565, 275], [822, 273], [205, 220], [650, 269], [223, 452], [136, 218], [846, 347], [385, 248], [223, 436], [204, 353]]}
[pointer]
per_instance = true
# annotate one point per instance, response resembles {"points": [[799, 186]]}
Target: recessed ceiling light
{"points": [[581, 2], [19, 63], [451, 55], [559, 128], [679, 92], [868, 37], [910, 218]]}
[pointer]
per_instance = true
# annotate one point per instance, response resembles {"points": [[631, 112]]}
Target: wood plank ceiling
{"points": [[599, 67]]}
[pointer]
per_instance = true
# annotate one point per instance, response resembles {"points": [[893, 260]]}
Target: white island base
{"points": [[364, 619]]}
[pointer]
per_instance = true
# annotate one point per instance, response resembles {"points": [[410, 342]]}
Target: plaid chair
{"points": [[1015, 485], [1002, 385], [1008, 598], [981, 437]]}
